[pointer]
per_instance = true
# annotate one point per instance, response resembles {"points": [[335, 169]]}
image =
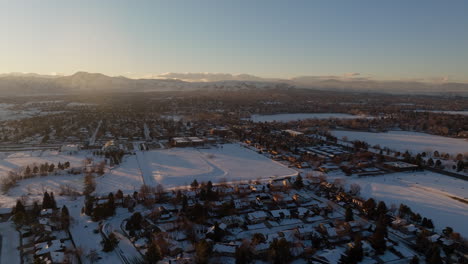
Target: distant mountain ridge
{"points": [[34, 84]]}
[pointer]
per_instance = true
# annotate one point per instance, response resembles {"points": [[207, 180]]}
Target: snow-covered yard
{"points": [[430, 194], [405, 140], [230, 162], [301, 116]]}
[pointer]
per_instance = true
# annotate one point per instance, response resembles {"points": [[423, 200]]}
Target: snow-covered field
{"points": [[13, 160], [405, 140], [301, 116], [126, 177], [427, 193], [230, 162], [33, 188], [445, 112]]}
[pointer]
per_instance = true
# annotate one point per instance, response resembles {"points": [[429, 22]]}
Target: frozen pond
{"points": [[301, 116]]}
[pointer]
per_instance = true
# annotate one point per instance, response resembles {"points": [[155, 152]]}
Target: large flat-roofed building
{"points": [[399, 166]]}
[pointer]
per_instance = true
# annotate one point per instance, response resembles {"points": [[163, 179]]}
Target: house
{"points": [[180, 142], [399, 166], [110, 146], [70, 148], [257, 217], [224, 249], [280, 214]]}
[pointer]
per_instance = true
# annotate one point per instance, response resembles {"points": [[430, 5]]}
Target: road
{"points": [[9, 242], [92, 140], [125, 249], [146, 173]]}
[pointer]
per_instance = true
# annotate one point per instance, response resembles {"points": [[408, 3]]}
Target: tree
{"points": [[258, 238], [280, 251], [414, 260], [349, 214], [244, 253], [46, 201], [89, 184], [109, 243], [430, 225], [369, 207], [381, 208], [51, 168], [354, 254], [434, 257], [27, 172], [298, 183], [19, 219], [202, 252], [93, 256], [119, 195], [194, 184], [460, 165], [52, 201], [111, 202], [355, 189], [65, 217], [377, 240], [153, 255], [134, 223], [19, 208], [430, 162], [36, 209]]}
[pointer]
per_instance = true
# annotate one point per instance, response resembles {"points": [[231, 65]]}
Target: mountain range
{"points": [[17, 84]]}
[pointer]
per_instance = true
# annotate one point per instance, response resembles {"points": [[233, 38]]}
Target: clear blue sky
{"points": [[385, 39]]}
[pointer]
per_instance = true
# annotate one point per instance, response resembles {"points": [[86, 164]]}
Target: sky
{"points": [[410, 40]]}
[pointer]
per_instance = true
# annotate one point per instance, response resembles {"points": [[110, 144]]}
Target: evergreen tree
{"points": [[119, 195], [381, 208], [414, 260], [194, 184], [52, 201], [51, 168], [280, 251], [111, 202], [435, 258], [349, 214], [377, 240], [19, 208], [298, 183], [36, 209], [89, 206], [369, 207], [243, 254], [202, 252], [27, 172], [109, 243], [153, 254], [65, 217], [46, 201]]}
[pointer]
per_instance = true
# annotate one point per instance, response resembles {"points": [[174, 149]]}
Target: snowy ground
{"points": [[12, 160], [301, 116], [405, 140], [9, 243], [445, 112], [427, 193], [33, 188], [126, 177], [230, 162]]}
